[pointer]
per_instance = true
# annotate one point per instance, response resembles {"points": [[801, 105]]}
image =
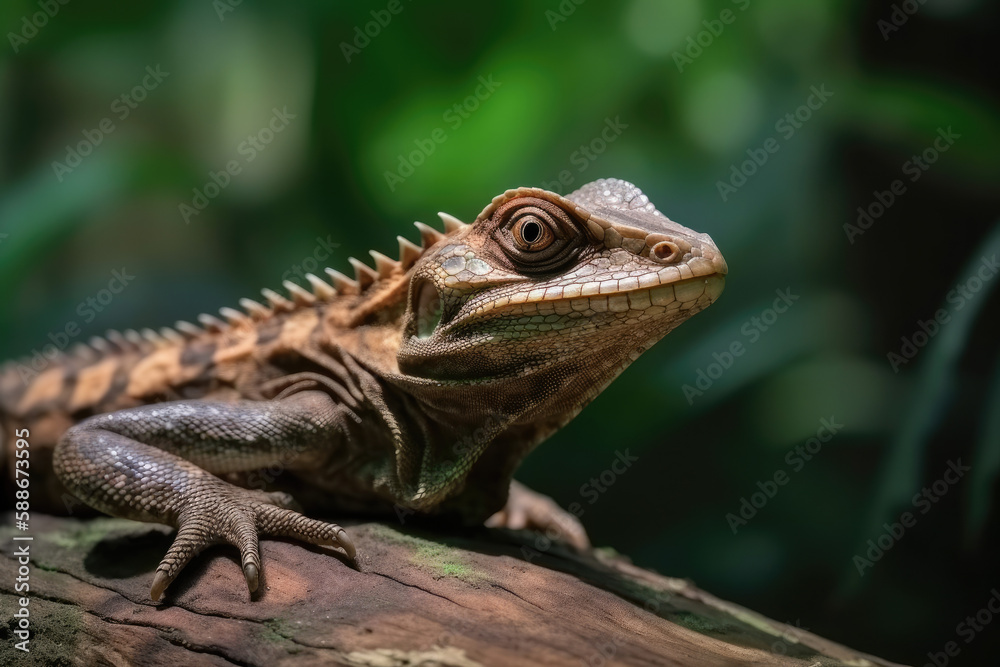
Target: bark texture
{"points": [[418, 598]]}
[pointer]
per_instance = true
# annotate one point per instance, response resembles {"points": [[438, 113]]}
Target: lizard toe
{"points": [[242, 533], [281, 522], [191, 538], [528, 510]]}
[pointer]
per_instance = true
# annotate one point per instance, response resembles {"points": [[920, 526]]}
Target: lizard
{"points": [[419, 385]]}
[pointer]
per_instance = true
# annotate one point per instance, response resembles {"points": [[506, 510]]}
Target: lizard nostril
{"points": [[666, 251]]}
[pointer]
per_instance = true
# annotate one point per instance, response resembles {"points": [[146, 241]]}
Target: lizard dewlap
{"points": [[417, 385]]}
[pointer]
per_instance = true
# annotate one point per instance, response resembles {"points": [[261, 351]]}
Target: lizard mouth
{"points": [[557, 307], [609, 296]]}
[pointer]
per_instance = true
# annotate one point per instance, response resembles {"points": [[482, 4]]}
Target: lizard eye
{"points": [[532, 234], [536, 234]]}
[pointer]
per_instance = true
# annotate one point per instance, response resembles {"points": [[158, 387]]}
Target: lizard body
{"points": [[420, 384]]}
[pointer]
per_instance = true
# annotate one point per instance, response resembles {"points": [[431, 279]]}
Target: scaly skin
{"points": [[419, 386]]}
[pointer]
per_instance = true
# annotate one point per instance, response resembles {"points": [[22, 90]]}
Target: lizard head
{"points": [[515, 322], [555, 294]]}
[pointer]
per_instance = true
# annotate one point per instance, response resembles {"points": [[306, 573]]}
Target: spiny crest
{"points": [[320, 291], [130, 340], [384, 266]]}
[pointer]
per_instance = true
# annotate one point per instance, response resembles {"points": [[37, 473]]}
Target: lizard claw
{"points": [[250, 572], [346, 544], [238, 517], [160, 581]]}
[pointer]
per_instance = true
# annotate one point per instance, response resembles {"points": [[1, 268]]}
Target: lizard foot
{"points": [[238, 516], [528, 510]]}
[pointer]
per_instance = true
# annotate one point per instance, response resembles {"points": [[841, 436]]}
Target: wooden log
{"points": [[417, 598]]}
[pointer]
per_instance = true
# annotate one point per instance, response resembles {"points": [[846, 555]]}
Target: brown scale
{"points": [[222, 360]]}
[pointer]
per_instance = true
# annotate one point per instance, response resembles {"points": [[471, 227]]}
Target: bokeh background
{"points": [[559, 73]]}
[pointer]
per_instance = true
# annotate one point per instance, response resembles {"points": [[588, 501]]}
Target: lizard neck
{"points": [[474, 434]]}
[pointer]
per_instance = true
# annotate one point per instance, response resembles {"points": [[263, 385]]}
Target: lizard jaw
{"points": [[675, 294]]}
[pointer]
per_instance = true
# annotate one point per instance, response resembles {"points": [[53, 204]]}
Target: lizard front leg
{"points": [[156, 463], [529, 510]]}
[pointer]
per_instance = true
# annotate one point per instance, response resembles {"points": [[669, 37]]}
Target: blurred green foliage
{"points": [[691, 90]]}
